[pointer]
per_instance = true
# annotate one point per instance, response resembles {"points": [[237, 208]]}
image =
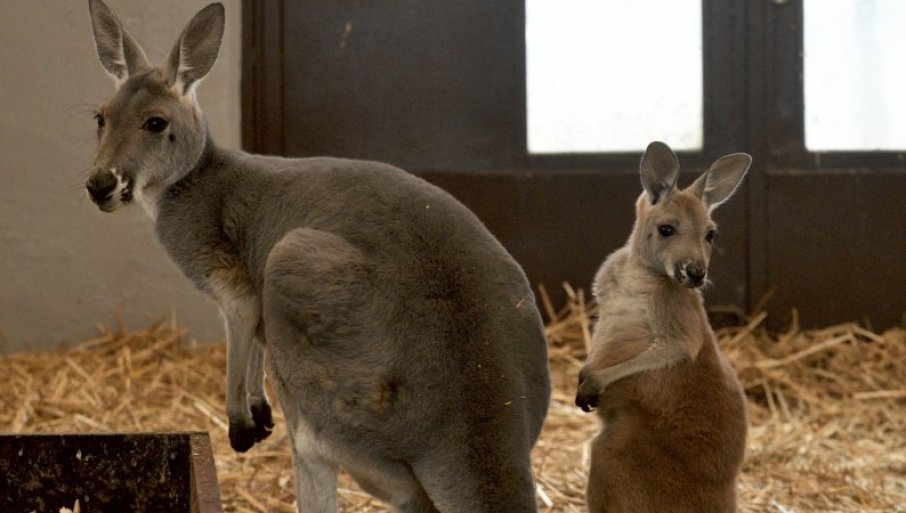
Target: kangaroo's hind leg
{"points": [[395, 484], [312, 282], [489, 473], [315, 475]]}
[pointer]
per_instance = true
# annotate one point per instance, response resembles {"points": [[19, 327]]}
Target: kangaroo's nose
{"points": [[100, 185], [696, 275]]}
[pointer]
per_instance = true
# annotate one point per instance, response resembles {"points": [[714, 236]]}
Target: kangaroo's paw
{"points": [[264, 420], [589, 393], [243, 434]]}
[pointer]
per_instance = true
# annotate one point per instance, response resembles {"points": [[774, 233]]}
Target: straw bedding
{"points": [[827, 412]]}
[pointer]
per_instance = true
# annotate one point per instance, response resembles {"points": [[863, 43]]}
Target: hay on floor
{"points": [[827, 411]]}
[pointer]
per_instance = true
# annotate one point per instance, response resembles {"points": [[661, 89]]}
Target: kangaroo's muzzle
{"points": [[690, 274], [108, 190]]}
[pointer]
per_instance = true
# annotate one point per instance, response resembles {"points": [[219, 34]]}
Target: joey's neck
{"points": [[668, 301], [660, 286], [679, 313], [653, 280]]}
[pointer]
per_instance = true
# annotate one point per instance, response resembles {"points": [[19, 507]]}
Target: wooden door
{"points": [[439, 88]]}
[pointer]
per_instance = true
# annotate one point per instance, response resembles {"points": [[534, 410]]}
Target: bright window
{"points": [[855, 74], [611, 76]]}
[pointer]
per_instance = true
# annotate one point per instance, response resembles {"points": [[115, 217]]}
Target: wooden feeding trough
{"points": [[134, 473]]}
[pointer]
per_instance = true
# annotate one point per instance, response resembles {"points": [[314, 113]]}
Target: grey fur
{"points": [[402, 339]]}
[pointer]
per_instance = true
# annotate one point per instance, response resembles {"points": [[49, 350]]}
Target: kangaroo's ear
{"points": [[719, 182], [659, 171], [119, 53], [196, 50]]}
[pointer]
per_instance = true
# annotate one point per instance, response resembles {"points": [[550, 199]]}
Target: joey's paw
{"points": [[243, 435], [264, 420], [588, 396]]}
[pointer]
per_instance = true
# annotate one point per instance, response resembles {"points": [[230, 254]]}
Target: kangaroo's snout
{"points": [[696, 275], [101, 185], [108, 190], [690, 274]]}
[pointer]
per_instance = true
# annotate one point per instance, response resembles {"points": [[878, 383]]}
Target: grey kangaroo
{"points": [[674, 413], [402, 339]]}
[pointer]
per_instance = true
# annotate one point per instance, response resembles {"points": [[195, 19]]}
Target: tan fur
{"points": [[673, 411]]}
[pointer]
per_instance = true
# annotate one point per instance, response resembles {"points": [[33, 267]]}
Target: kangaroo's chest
{"points": [[624, 311], [199, 238]]}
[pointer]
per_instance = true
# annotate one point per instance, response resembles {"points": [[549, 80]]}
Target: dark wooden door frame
{"points": [[758, 101], [262, 77], [851, 265]]}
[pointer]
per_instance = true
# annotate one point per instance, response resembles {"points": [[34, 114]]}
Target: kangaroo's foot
{"points": [[248, 430], [264, 420], [588, 395]]}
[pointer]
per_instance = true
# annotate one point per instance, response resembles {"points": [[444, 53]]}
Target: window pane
{"points": [[855, 71], [608, 75]]}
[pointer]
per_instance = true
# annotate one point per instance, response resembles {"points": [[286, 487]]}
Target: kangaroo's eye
{"points": [[155, 124], [709, 236], [100, 119], [666, 230]]}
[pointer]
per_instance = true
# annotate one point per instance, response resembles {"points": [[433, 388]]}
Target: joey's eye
{"points": [[709, 236], [666, 230], [155, 124], [100, 119]]}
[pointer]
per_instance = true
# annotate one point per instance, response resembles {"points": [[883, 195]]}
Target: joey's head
{"points": [[674, 233], [151, 132]]}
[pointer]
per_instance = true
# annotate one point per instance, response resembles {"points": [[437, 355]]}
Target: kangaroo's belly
{"points": [[688, 423]]}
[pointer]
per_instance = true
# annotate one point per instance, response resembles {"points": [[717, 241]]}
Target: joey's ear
{"points": [[119, 53], [659, 171], [719, 182], [196, 50]]}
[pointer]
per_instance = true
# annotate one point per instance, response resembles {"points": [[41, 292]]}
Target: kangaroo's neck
{"points": [[678, 313], [659, 288], [671, 311], [150, 196], [190, 216], [210, 159]]}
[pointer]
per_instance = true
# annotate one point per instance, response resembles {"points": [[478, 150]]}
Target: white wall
{"points": [[64, 265]]}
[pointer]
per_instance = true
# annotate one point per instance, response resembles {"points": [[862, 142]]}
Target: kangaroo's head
{"points": [[151, 131], [674, 233]]}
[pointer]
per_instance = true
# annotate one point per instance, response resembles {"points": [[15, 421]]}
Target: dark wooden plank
{"points": [[205, 488], [262, 86], [106, 472], [838, 247]]}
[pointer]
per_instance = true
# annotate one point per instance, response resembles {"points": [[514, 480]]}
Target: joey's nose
{"points": [[100, 185], [696, 275]]}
